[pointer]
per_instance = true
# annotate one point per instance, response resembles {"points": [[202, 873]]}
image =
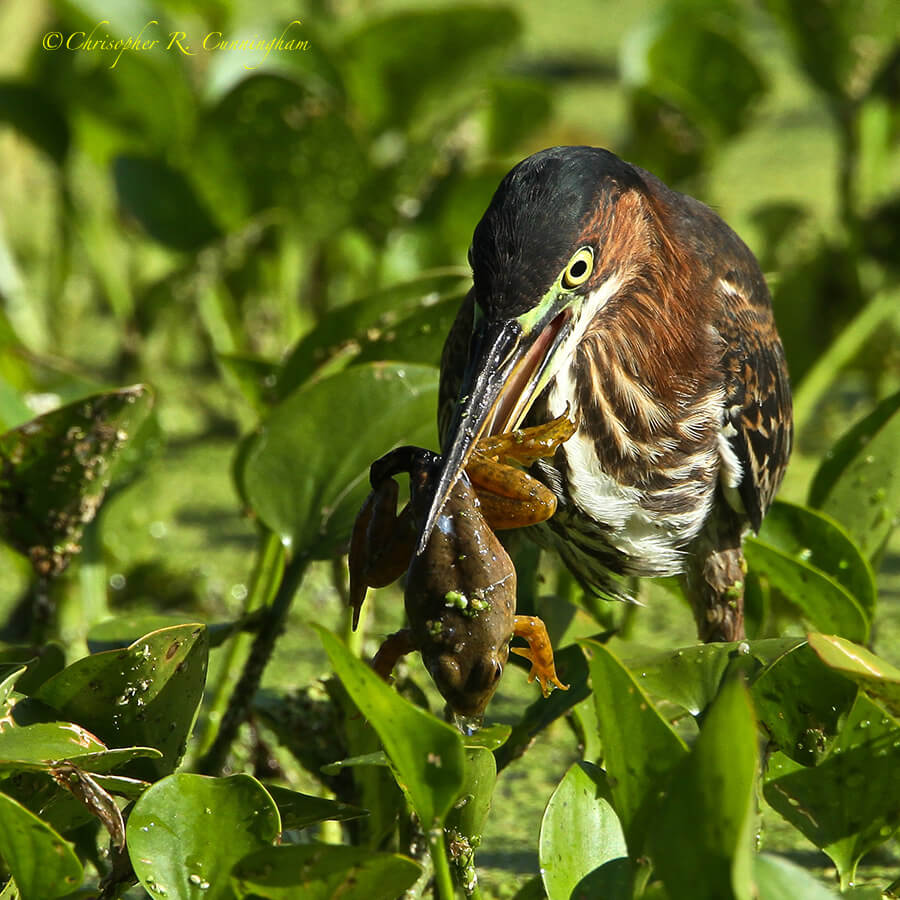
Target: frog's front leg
{"points": [[381, 545], [511, 498], [539, 652]]}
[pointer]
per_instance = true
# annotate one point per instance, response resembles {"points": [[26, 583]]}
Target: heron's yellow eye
{"points": [[579, 268]]}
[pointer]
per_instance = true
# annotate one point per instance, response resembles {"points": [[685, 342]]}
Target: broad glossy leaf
{"points": [[54, 472], [306, 471], [850, 802], [42, 863], [343, 329], [44, 742], [491, 737], [859, 482], [324, 872], [302, 810], [702, 839], [470, 811], [873, 674], [825, 603], [401, 66], [779, 879], [582, 846], [640, 748], [822, 543], [186, 832], [801, 703], [36, 116], [146, 695], [164, 202], [427, 755], [692, 676]]}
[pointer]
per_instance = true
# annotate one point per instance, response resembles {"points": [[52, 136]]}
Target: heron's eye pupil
{"points": [[579, 268]]}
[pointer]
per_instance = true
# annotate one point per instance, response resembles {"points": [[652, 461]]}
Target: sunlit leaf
{"points": [[54, 472], [859, 481], [342, 332], [44, 742], [427, 754], [147, 695], [779, 879], [692, 676], [43, 865], [186, 832], [307, 479], [324, 872], [640, 749], [850, 802], [875, 675], [702, 838], [824, 602], [582, 847]]}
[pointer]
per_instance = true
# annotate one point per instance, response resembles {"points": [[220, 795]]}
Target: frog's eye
{"points": [[579, 269]]}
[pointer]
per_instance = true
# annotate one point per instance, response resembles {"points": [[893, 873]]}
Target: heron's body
{"points": [[660, 338]]}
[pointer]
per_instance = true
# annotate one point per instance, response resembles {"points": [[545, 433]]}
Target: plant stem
{"points": [[264, 582], [263, 645], [443, 879]]}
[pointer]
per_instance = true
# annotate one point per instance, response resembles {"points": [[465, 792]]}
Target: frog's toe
{"points": [[544, 673]]}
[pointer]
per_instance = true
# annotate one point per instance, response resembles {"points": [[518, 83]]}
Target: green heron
{"points": [[598, 287]]}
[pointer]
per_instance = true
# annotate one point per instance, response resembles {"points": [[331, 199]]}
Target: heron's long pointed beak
{"points": [[503, 376]]}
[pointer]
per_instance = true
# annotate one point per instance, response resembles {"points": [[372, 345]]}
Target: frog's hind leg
{"points": [[539, 652], [395, 645]]}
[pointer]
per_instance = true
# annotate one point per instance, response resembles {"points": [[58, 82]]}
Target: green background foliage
{"points": [[225, 280]]}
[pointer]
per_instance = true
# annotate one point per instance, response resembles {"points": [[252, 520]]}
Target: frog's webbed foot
{"points": [[539, 652], [395, 645]]}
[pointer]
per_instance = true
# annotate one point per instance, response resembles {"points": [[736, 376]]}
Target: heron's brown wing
{"points": [[758, 395], [453, 364]]}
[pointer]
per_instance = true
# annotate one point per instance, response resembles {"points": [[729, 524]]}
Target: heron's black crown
{"points": [[535, 222]]}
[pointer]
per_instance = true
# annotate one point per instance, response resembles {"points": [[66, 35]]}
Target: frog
{"points": [[460, 595]]}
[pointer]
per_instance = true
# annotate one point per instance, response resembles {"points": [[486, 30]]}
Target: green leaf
{"points": [[44, 742], [186, 832], [324, 872], [54, 472], [302, 810], [40, 663], [702, 838], [427, 754], [858, 483], [36, 116], [582, 848], [692, 676], [697, 62], [401, 67], [801, 703], [779, 879], [340, 334], [841, 46], [822, 543], [43, 865], [145, 695], [471, 809], [873, 674], [850, 802], [640, 747], [825, 603], [164, 202], [306, 472]]}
